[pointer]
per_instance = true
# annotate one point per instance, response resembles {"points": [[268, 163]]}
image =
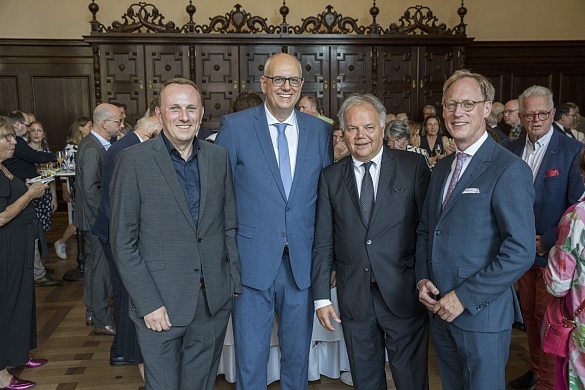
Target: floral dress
{"points": [[566, 273], [43, 206]]}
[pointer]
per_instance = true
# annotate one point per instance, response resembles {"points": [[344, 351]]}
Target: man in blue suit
{"points": [[124, 349], [276, 153], [475, 239], [553, 158]]}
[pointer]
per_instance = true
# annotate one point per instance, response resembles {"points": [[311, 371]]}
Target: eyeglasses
{"points": [[466, 105], [509, 112], [534, 115], [119, 122], [396, 142], [26, 124], [9, 137], [573, 115], [279, 81]]}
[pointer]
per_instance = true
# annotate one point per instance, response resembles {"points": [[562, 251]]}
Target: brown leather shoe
{"points": [[108, 330]]}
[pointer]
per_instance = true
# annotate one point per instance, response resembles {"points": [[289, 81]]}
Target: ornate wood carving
{"points": [[140, 17], [238, 21], [421, 20], [329, 22]]}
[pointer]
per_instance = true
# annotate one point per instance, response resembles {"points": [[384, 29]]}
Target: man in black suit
{"points": [[23, 165], [368, 208], [565, 120], [107, 121], [125, 349]]}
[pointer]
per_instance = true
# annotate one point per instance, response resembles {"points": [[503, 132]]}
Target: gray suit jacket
{"points": [[483, 240], [88, 181], [387, 246], [159, 251]]}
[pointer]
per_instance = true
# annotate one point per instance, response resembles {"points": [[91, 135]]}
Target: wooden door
{"points": [[351, 72], [397, 81]]}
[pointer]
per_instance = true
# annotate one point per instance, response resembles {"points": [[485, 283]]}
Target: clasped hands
{"points": [[448, 307], [158, 320]]}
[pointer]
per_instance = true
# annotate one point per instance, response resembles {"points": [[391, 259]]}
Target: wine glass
{"points": [[438, 149], [60, 158]]}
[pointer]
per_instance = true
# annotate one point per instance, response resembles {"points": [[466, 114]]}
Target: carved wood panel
{"points": [[436, 64], [164, 62], [252, 60], [397, 78], [315, 62], [351, 72]]}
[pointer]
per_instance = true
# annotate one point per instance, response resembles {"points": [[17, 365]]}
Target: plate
{"points": [[45, 178]]}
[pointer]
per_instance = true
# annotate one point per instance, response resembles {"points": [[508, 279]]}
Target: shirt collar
{"points": [[542, 141], [173, 150], [472, 150], [291, 120], [105, 143], [377, 159]]}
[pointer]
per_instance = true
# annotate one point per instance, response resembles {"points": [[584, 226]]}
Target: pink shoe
{"points": [[19, 384], [32, 363]]}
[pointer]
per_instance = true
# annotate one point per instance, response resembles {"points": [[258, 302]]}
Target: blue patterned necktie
{"points": [[284, 158], [367, 194], [461, 158]]}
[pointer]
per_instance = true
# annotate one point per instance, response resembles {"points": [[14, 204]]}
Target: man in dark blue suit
{"points": [[125, 349], [553, 158], [474, 241], [276, 153]]}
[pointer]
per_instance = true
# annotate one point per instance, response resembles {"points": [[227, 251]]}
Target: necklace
{"points": [[8, 174]]}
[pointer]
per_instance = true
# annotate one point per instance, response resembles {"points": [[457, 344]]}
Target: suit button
{"points": [[369, 242], [367, 269], [283, 234], [198, 240], [196, 269], [288, 209], [437, 233]]}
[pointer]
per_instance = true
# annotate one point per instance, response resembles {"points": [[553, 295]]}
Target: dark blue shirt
{"points": [[188, 174]]}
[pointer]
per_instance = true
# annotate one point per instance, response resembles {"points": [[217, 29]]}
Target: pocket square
{"points": [[471, 191], [552, 172]]}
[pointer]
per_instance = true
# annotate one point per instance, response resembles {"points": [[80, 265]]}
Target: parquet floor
{"points": [[79, 360]]}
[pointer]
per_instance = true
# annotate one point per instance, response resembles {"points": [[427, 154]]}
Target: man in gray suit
{"points": [[173, 236], [474, 242], [107, 121], [373, 248]]}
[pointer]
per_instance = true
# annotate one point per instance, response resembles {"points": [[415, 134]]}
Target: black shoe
{"points": [[524, 382], [47, 281], [119, 361], [49, 271]]}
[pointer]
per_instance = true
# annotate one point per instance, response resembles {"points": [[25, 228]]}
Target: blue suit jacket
{"points": [[102, 219], [483, 240], [266, 220], [558, 185]]}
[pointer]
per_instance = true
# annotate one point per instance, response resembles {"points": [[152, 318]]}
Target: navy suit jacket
{"points": [[482, 242], [266, 219], [102, 219], [558, 185]]}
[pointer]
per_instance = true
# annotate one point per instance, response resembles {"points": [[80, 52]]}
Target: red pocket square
{"points": [[552, 172]]}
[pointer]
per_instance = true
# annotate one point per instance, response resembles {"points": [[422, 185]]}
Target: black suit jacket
{"points": [[22, 163], [387, 246]]}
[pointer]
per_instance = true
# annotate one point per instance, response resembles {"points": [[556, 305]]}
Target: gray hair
{"points": [[535, 90], [397, 129], [357, 99], [487, 89]]}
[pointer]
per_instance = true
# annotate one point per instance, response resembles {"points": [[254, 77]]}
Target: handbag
{"points": [[557, 325]]}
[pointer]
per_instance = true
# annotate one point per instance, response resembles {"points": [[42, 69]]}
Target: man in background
{"points": [[310, 105]]}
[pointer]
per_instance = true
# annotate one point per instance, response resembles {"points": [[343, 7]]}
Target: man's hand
{"points": [[426, 291], [323, 315], [449, 307], [158, 320]]}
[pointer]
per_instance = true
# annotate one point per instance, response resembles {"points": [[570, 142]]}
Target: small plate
{"points": [[46, 178]]}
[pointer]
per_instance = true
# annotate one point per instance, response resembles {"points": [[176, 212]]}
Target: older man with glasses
{"points": [[553, 159]]}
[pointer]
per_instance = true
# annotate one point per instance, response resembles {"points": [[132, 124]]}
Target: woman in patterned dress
{"points": [[565, 274], [47, 204]]}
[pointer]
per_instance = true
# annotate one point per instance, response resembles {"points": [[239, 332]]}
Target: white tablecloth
{"points": [[327, 356]]}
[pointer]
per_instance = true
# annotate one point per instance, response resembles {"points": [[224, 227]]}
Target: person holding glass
{"points": [[18, 231], [433, 141]]}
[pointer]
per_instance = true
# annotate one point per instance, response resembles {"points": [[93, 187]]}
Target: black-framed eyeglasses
{"points": [[466, 105], [396, 142], [120, 122], [279, 80], [9, 137], [542, 115], [26, 124]]}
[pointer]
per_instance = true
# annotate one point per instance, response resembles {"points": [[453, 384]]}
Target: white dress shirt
{"points": [[534, 152], [105, 143], [292, 137]]}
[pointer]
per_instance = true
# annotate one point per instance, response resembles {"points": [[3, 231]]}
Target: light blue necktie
{"points": [[284, 158]]}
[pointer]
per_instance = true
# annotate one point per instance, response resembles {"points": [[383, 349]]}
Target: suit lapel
{"points": [[163, 160], [203, 163], [303, 144], [350, 182], [263, 135], [550, 154], [387, 167]]}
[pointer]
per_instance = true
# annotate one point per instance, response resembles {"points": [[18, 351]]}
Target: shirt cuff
{"points": [[319, 303]]}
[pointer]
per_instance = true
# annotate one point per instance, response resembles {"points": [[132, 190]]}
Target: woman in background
{"points": [[47, 204], [433, 141], [564, 275], [78, 129]]}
